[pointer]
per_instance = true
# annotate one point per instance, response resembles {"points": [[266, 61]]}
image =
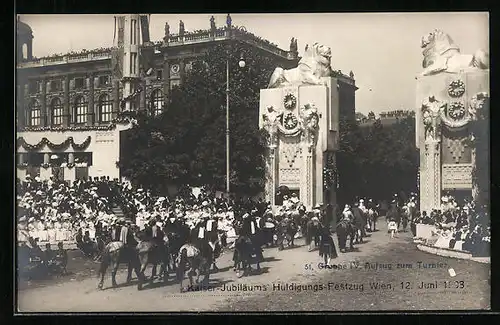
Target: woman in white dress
{"points": [[51, 232], [59, 230], [42, 231]]}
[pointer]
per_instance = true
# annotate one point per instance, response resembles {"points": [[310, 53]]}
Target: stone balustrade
{"points": [[173, 40], [68, 58]]}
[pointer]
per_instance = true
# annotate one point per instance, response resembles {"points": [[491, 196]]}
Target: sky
{"points": [[382, 49]]}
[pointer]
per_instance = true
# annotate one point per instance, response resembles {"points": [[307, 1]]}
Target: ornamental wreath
{"points": [[289, 101], [456, 110], [456, 88], [290, 121]]}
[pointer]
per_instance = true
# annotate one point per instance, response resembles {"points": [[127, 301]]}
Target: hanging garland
{"points": [[107, 127], [53, 146]]}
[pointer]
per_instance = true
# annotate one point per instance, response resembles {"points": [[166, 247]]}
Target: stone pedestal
{"points": [[430, 185], [302, 123], [447, 104]]}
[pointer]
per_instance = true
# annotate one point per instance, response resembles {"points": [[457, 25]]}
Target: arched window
{"points": [[81, 108], [105, 108], [25, 51], [157, 102], [57, 111], [34, 116]]}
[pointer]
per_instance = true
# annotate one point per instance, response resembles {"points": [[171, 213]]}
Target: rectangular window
{"points": [[159, 74], [133, 59], [79, 83], [34, 114], [33, 87], [134, 31], [103, 80], [55, 85]]}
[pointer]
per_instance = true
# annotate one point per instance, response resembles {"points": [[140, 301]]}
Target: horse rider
{"points": [[364, 214], [346, 220], [312, 232], [359, 223]]}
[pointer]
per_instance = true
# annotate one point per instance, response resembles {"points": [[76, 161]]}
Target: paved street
{"points": [[344, 287]]}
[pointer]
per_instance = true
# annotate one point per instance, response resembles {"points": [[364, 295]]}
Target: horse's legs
{"points": [[102, 272], [114, 270], [129, 271]]}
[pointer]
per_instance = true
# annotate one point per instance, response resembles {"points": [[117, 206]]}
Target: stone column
{"points": [[91, 117], [271, 182], [307, 175], [116, 98], [431, 177], [71, 158], [46, 158], [66, 104], [45, 120]]}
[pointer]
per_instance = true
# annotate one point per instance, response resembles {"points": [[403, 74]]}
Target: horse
{"points": [[150, 252], [177, 235], [286, 233], [394, 213], [244, 250], [115, 253], [345, 228], [193, 261]]}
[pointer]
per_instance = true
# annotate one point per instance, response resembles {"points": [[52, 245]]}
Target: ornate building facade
{"points": [[70, 107]]}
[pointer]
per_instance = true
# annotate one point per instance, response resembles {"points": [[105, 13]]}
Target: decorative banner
{"points": [[69, 141]]}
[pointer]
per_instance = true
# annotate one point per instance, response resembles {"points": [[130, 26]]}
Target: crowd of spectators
{"points": [[459, 226]]}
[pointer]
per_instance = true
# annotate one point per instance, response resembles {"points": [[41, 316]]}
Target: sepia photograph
{"points": [[256, 162]]}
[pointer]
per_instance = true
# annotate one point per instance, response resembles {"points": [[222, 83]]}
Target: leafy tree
{"points": [[377, 161], [480, 173], [187, 143]]}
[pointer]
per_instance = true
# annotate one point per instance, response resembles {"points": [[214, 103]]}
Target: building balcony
{"points": [[221, 35], [237, 33], [65, 59]]}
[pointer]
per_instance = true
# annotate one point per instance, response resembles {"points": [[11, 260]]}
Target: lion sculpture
{"points": [[441, 54], [311, 68]]}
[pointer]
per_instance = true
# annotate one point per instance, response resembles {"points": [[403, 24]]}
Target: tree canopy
{"points": [[376, 160], [187, 143]]}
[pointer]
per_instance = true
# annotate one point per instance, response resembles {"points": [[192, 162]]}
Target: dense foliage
{"points": [[377, 161], [187, 143], [480, 172]]}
